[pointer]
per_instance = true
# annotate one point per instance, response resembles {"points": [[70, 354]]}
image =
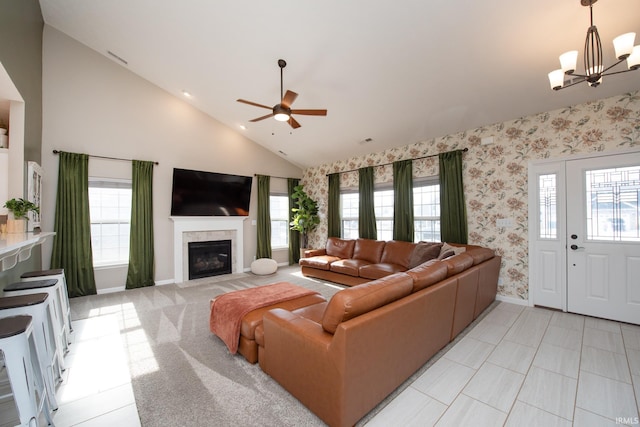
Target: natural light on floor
{"points": [[141, 358]]}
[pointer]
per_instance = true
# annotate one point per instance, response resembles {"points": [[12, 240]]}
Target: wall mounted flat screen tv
{"points": [[198, 193]]}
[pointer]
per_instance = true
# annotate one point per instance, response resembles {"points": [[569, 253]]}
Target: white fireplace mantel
{"points": [[186, 224]]}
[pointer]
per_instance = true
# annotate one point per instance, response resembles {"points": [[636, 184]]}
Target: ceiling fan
{"points": [[282, 111]]}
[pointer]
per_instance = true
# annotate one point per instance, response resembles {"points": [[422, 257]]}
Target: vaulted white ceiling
{"points": [[397, 72]]}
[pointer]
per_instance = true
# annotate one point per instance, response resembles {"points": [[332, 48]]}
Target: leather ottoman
{"points": [[247, 344]]}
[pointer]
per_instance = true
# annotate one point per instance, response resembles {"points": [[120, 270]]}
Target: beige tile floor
{"points": [[96, 390], [519, 366], [523, 366]]}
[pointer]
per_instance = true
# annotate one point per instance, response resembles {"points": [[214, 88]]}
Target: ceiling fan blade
{"points": [[244, 101], [262, 118], [310, 112], [293, 122], [288, 99]]}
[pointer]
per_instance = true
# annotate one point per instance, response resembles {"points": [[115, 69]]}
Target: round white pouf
{"points": [[264, 266]]}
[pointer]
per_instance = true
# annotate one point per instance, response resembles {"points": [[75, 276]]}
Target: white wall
{"points": [[95, 106]]}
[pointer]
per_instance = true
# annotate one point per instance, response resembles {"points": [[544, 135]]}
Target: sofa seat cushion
{"points": [[352, 302], [427, 274], [369, 250], [340, 248], [313, 312], [398, 252], [254, 318], [350, 267], [377, 271], [322, 262]]}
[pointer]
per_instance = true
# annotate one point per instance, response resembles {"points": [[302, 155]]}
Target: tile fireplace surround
{"points": [[200, 229]]}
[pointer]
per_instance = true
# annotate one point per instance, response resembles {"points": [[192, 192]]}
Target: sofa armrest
{"points": [[297, 355], [314, 252], [280, 324]]}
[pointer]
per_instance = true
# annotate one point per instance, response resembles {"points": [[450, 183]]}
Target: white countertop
{"points": [[16, 247]]}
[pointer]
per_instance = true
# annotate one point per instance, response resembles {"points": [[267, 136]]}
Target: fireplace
{"points": [[188, 229], [209, 258]]}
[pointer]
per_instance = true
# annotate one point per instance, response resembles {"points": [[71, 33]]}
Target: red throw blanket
{"points": [[228, 309]]}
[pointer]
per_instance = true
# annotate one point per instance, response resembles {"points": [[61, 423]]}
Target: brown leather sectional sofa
{"points": [[342, 357], [355, 261]]}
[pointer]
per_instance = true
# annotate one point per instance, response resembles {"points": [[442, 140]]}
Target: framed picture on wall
{"points": [[34, 193]]}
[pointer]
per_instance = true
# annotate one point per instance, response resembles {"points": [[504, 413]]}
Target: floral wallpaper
{"points": [[495, 176]]}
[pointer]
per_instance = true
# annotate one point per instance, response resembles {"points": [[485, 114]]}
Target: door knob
{"points": [[576, 247]]}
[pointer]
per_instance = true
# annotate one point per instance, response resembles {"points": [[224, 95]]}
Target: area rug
{"points": [[183, 375]]}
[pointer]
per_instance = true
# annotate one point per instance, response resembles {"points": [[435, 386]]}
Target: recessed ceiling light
{"points": [[187, 94]]}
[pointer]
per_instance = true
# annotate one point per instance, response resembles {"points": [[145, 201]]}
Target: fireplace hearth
{"points": [[209, 258]]}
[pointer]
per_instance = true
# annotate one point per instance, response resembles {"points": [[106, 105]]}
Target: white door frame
{"points": [[548, 273]]}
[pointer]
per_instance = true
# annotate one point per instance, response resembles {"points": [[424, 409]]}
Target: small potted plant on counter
{"points": [[18, 211]]}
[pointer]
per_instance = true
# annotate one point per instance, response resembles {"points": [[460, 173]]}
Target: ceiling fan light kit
{"points": [[593, 59], [282, 112]]}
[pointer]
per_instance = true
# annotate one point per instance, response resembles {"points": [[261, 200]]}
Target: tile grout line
{"points": [[633, 388], [526, 375]]}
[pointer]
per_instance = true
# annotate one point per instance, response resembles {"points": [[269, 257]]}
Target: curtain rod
{"points": [[105, 157], [464, 150], [280, 177]]}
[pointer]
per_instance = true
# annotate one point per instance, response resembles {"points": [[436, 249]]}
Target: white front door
{"points": [[603, 237]]}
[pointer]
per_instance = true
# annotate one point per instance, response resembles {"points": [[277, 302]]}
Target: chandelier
{"points": [[594, 68]]}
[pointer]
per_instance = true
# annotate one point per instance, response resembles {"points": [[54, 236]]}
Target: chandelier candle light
{"points": [[593, 66]]}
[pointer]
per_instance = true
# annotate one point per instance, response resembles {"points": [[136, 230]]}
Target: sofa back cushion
{"points": [[352, 302], [458, 263], [397, 252], [427, 274], [480, 254], [369, 250], [341, 248]]}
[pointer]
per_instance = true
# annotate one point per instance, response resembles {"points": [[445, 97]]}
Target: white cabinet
{"points": [[4, 179]]}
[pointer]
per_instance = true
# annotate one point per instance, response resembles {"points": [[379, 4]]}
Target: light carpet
{"points": [[182, 374]]}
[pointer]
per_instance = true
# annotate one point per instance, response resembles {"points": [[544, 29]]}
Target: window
{"points": [[279, 211], [426, 212], [383, 205], [548, 206], [110, 213], [349, 214], [426, 202], [612, 204]]}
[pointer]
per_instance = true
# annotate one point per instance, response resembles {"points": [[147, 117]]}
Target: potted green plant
{"points": [[18, 209], [305, 215]]}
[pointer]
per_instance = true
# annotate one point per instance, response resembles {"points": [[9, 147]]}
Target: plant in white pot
{"points": [[305, 216], [18, 210]]}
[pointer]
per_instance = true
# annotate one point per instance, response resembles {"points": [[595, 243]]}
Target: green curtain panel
{"points": [[366, 215], [453, 211], [264, 218], [403, 200], [333, 206], [72, 242], [141, 254], [294, 236]]}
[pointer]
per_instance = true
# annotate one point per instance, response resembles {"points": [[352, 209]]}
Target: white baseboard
{"points": [[110, 290], [122, 288], [511, 300]]}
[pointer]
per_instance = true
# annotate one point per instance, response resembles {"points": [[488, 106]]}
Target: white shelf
{"points": [[16, 247]]}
